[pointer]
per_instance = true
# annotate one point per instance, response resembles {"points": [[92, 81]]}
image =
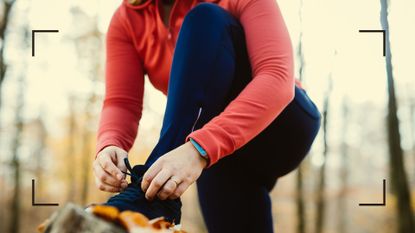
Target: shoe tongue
{"points": [[138, 173]]}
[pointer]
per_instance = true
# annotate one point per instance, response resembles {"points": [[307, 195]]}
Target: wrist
{"points": [[203, 159]]}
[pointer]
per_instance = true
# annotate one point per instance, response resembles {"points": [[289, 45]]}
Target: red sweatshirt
{"points": [[139, 43]]}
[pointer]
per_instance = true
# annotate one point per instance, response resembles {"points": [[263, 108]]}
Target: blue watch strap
{"points": [[199, 148]]}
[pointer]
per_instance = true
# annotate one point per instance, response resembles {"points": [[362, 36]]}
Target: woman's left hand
{"points": [[173, 173]]}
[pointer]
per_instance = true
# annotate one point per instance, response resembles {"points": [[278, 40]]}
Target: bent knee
{"points": [[206, 9], [208, 14]]}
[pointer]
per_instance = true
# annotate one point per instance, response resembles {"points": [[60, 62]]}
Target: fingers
{"points": [[105, 187], [167, 189], [105, 177], [102, 181], [105, 182], [149, 175], [108, 165], [179, 190], [108, 177], [157, 183], [182, 165]]}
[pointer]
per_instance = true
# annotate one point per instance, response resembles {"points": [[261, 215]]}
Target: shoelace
{"points": [[127, 164]]}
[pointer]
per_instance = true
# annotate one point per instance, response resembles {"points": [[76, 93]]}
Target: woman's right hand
{"points": [[108, 169]]}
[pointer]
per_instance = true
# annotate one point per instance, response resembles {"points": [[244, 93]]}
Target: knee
{"points": [[206, 10], [207, 15]]}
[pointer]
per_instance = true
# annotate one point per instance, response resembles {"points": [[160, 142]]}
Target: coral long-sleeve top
{"points": [[139, 43]]}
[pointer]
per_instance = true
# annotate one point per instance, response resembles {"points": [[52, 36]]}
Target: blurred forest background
{"points": [[50, 107]]}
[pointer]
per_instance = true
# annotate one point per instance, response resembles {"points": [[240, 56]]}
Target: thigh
{"points": [[281, 147], [233, 202], [233, 194], [202, 75]]}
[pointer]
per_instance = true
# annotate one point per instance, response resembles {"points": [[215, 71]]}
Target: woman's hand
{"points": [[173, 173], [108, 167]]}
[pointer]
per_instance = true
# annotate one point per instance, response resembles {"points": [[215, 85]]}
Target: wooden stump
{"points": [[73, 219]]}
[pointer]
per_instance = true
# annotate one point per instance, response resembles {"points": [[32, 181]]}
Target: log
{"points": [[104, 219], [74, 219]]}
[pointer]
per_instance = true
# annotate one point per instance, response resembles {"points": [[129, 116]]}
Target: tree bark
{"points": [[301, 218], [3, 27], [344, 173], [412, 120], [15, 203], [398, 175], [86, 156], [300, 201], [321, 204], [71, 150], [4, 23], [38, 153]]}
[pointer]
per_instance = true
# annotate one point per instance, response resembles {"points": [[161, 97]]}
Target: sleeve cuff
{"points": [[107, 142], [208, 141]]}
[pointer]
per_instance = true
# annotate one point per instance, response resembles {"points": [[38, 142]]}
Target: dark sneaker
{"points": [[133, 198]]}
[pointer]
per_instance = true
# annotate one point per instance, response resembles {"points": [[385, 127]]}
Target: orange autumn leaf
{"points": [[131, 220], [42, 227], [109, 213], [160, 223]]}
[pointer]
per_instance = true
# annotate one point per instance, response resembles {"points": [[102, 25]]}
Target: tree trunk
{"points": [[344, 171], [86, 163], [38, 153], [321, 204], [300, 201], [398, 176], [301, 218], [14, 226], [4, 23], [71, 150], [412, 120], [3, 27]]}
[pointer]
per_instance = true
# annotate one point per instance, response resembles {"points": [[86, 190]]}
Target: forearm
{"points": [[118, 125], [124, 89]]}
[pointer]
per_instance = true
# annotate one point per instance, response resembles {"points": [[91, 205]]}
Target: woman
{"points": [[235, 121]]}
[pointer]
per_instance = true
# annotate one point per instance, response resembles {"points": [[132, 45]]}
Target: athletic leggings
{"points": [[233, 193]]}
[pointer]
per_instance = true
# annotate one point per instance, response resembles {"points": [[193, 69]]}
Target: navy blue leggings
{"points": [[210, 67]]}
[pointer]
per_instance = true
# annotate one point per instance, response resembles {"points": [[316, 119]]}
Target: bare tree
{"points": [[344, 171], [39, 152], [4, 23], [15, 163], [397, 169], [321, 186], [86, 152], [7, 6], [300, 200], [301, 218], [15, 203], [71, 149], [412, 120]]}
